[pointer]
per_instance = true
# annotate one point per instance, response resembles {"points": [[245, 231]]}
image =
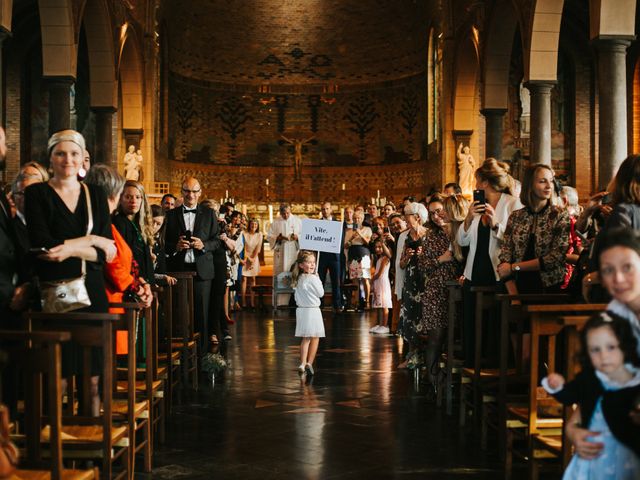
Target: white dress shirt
{"points": [[189, 221]]}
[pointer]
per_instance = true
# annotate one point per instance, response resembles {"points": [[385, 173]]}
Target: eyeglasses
{"points": [[186, 190], [438, 211]]}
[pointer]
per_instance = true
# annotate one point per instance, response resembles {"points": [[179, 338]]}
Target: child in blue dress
{"points": [[606, 390]]}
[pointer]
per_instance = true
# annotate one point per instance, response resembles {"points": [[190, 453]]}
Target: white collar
{"points": [[610, 384]]}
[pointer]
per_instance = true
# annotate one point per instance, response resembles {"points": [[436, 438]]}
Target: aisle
{"points": [[357, 418]]}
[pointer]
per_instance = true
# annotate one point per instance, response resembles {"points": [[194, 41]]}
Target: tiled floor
{"points": [[358, 417]]}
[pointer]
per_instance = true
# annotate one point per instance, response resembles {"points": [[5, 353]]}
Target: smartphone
{"points": [[478, 196], [606, 199], [39, 250], [187, 235], [386, 230]]}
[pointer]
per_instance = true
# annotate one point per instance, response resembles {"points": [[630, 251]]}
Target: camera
{"points": [[187, 235]]}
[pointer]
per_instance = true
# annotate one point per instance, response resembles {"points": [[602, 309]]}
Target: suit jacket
{"points": [[8, 260], [205, 228], [25, 258]]}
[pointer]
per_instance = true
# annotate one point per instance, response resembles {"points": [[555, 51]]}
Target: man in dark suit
{"points": [[332, 263], [8, 257], [191, 237]]}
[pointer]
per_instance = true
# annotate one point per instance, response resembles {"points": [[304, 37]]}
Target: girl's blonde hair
{"points": [[295, 271], [143, 219], [457, 208]]}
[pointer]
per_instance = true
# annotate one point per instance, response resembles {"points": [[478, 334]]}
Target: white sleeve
{"points": [[315, 286], [547, 387], [464, 237]]}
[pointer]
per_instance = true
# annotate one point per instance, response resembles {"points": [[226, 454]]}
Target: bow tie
{"points": [[193, 210]]}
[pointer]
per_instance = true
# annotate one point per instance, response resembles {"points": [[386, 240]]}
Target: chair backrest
{"points": [[40, 356], [183, 311], [88, 331]]}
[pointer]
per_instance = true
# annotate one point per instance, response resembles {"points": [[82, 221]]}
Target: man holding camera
{"points": [[191, 237]]}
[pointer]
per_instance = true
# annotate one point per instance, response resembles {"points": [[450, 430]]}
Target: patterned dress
{"points": [[412, 291], [435, 299]]}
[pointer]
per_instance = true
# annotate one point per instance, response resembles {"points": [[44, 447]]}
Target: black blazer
{"points": [[8, 258], [586, 389], [205, 228]]}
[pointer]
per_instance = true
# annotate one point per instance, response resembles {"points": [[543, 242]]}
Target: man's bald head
{"points": [[191, 192]]}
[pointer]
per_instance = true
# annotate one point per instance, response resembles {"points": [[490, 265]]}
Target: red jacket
{"points": [[119, 277]]}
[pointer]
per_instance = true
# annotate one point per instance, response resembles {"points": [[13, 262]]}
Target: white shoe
{"points": [[310, 369], [382, 330], [374, 329], [301, 368]]}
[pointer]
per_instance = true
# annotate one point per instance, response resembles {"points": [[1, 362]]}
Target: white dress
{"points": [[308, 293]]}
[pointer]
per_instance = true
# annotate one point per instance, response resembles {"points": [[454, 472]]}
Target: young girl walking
{"points": [[309, 324], [606, 390], [381, 288]]}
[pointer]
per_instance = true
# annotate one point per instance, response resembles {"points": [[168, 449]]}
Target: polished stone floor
{"points": [[358, 417]]}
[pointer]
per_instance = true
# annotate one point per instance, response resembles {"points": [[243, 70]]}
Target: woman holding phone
{"points": [[483, 231]]}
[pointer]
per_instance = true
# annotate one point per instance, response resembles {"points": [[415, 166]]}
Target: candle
{"points": [[221, 202], [343, 185], [270, 214], [378, 196], [373, 200], [226, 194], [267, 182]]}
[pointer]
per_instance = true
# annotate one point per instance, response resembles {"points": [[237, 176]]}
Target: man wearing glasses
{"points": [[191, 237]]}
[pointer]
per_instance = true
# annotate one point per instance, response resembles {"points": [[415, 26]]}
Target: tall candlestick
{"points": [[373, 200], [226, 194], [343, 186], [270, 213], [378, 195], [267, 182]]}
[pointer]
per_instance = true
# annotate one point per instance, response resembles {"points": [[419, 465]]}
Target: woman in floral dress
{"points": [[438, 265], [413, 288]]}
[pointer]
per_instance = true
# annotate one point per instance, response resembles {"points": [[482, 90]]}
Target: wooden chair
{"points": [[148, 386], [450, 364], [477, 384], [40, 358], [185, 338], [85, 436], [541, 415], [167, 356], [136, 412]]}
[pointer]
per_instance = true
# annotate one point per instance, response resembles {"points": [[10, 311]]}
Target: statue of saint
{"points": [[132, 164], [466, 169], [297, 146]]}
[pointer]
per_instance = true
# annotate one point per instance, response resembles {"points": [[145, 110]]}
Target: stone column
{"points": [[612, 92], [103, 149], [59, 103], [540, 121], [493, 131]]}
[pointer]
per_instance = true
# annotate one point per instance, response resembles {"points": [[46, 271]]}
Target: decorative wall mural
{"points": [[213, 126], [184, 116], [233, 115], [362, 115], [409, 113], [296, 62]]}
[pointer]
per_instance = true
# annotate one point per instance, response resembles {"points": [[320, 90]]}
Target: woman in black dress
{"points": [[134, 222], [57, 219]]}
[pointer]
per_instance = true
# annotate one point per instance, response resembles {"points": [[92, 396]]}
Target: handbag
{"points": [[8, 451], [63, 296]]}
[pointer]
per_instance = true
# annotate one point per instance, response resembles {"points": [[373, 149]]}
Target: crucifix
{"points": [[297, 153]]}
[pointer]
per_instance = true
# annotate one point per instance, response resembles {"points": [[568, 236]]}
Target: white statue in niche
{"points": [[132, 164], [466, 169]]}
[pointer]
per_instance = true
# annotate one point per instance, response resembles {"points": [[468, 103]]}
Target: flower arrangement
{"points": [[415, 361], [214, 363]]}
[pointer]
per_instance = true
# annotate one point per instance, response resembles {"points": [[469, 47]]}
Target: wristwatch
{"points": [[515, 267]]}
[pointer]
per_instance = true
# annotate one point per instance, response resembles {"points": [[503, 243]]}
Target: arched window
{"points": [[433, 75]]}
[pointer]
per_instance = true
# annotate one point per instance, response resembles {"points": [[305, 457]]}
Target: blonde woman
{"points": [[456, 208], [134, 222]]}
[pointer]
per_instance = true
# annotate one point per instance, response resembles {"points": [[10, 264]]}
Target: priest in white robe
{"points": [[283, 240]]}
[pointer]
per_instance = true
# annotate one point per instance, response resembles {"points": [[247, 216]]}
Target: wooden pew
{"points": [[451, 365], [84, 436], [40, 357], [167, 363]]}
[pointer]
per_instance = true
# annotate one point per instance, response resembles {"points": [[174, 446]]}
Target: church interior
{"points": [[301, 102]]}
